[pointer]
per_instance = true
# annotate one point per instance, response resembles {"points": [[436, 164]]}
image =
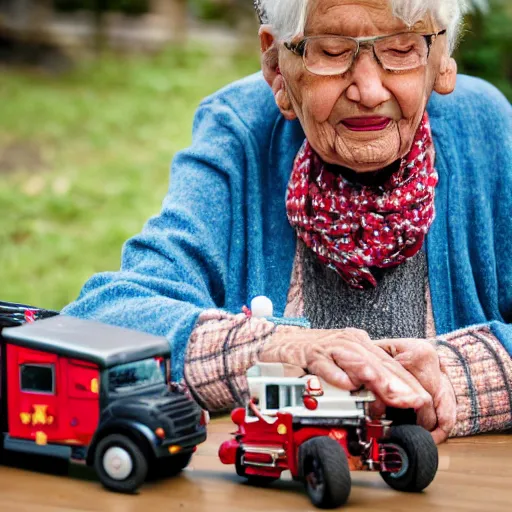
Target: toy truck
{"points": [[95, 394], [320, 433]]}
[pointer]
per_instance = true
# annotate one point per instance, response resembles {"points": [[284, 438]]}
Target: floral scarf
{"points": [[353, 227]]}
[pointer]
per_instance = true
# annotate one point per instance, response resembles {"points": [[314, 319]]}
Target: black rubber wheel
{"points": [[118, 453], [323, 466], [419, 458], [260, 481], [170, 466]]}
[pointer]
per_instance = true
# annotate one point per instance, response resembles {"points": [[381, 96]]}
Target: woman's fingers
{"points": [[446, 406], [348, 359], [427, 418], [332, 374], [397, 359], [421, 360], [390, 382], [439, 435]]}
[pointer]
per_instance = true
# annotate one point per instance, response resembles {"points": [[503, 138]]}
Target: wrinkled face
{"points": [[366, 118]]}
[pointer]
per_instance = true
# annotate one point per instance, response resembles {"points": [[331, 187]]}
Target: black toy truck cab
{"points": [[95, 393]]}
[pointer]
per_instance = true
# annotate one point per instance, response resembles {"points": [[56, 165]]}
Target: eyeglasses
{"points": [[335, 55]]}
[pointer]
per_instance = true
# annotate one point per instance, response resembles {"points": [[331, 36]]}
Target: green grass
{"points": [[99, 142]]}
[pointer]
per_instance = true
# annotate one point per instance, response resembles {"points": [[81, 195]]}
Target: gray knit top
{"points": [[396, 308]]}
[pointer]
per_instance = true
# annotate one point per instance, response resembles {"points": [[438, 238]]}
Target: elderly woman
{"points": [[362, 190]]}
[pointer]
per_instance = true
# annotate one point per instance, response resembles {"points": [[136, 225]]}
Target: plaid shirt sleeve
{"points": [[221, 349], [480, 371]]}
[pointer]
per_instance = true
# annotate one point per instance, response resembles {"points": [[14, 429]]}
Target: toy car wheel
{"points": [[418, 452], [258, 480], [120, 464], [325, 472]]}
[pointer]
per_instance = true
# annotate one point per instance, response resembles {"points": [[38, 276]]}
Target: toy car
{"points": [[320, 433], [93, 393]]}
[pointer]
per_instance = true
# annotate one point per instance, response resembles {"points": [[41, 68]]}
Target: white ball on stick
{"points": [[261, 307]]}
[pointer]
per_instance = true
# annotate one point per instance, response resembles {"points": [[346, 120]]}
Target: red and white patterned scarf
{"points": [[353, 227]]}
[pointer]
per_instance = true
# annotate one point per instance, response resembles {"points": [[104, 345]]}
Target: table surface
{"points": [[475, 474]]}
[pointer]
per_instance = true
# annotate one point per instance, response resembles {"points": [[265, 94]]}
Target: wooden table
{"points": [[475, 475]]}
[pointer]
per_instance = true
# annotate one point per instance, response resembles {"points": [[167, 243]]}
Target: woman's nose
{"points": [[367, 88]]}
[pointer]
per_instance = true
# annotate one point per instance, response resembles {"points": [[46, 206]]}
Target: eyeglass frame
{"points": [[300, 47]]}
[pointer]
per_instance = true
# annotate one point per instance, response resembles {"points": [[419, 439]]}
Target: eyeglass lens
{"points": [[335, 54]]}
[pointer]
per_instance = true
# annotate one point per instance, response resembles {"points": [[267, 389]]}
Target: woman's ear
{"points": [[283, 99], [272, 74], [447, 76], [269, 54]]}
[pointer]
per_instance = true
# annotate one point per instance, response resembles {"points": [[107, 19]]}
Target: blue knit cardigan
{"points": [[223, 237]]}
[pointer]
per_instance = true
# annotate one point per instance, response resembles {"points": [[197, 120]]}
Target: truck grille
{"points": [[184, 415]]}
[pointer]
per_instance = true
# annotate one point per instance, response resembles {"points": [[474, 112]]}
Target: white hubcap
{"points": [[117, 463]]}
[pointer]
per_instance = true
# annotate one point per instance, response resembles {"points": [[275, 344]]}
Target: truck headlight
{"points": [[160, 433]]}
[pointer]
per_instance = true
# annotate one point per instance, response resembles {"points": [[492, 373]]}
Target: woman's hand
{"points": [[348, 359], [420, 358]]}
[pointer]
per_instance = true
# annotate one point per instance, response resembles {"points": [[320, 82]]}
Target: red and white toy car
{"points": [[320, 433]]}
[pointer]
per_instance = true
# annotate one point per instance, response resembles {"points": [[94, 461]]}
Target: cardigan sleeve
{"points": [[177, 266]]}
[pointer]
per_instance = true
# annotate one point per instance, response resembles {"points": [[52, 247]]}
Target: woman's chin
{"points": [[364, 161], [370, 155]]}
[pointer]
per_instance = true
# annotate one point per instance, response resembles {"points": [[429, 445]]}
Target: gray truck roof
{"points": [[87, 340]]}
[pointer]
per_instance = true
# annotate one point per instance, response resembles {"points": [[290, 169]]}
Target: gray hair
{"points": [[288, 17]]}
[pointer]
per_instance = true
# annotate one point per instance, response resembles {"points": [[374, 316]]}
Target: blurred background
{"points": [[96, 96]]}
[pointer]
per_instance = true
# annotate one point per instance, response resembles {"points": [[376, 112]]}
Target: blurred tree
{"points": [[486, 48], [24, 35], [27, 16], [100, 36], [175, 13], [230, 11]]}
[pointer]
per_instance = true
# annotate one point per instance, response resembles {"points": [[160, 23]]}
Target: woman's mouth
{"points": [[366, 124]]}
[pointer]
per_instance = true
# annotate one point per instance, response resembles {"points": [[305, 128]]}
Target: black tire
{"points": [[139, 463], [323, 467], [421, 459], [260, 481], [170, 466]]}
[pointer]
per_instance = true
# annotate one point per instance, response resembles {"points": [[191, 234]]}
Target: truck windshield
{"points": [[130, 377]]}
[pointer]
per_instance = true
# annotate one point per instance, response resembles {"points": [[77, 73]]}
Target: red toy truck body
{"points": [[320, 434], [70, 417], [97, 394]]}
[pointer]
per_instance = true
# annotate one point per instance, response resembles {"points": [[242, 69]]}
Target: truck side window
{"points": [[130, 377], [36, 378], [286, 397], [298, 394], [272, 396]]}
